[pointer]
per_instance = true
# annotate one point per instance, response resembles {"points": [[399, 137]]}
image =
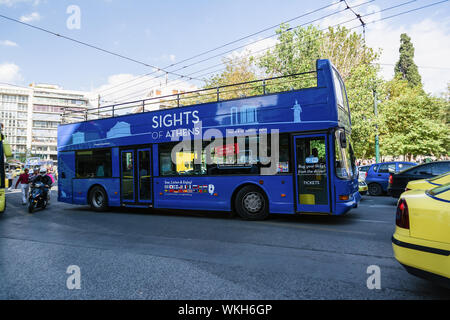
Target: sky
{"points": [[162, 33]]}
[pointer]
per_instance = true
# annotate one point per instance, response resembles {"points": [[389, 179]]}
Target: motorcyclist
{"points": [[46, 180]]}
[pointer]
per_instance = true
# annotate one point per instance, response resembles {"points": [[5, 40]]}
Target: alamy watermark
{"points": [[73, 22], [374, 280], [73, 282]]}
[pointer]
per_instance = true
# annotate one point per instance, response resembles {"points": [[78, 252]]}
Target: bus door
{"points": [[136, 178], [312, 179]]}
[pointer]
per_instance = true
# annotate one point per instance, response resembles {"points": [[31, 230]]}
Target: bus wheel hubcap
{"points": [[253, 202], [98, 199]]}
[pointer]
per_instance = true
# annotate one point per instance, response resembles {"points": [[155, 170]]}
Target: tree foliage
{"points": [[413, 122], [238, 69], [405, 67]]}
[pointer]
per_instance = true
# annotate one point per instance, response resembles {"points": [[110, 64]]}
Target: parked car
{"points": [[362, 171], [377, 177], [425, 184], [421, 241], [399, 181]]}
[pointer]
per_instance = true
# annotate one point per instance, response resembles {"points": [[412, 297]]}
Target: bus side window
{"points": [[93, 164], [232, 158]]}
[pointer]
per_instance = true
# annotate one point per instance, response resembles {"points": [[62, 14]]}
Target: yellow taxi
{"points": [[421, 241], [362, 187], [425, 184]]}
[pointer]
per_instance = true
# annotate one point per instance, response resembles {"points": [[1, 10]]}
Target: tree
{"points": [[238, 69], [413, 122], [405, 68]]}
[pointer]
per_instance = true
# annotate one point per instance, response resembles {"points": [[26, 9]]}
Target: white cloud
{"points": [[431, 40], [35, 16], [255, 47], [8, 43], [10, 73]]}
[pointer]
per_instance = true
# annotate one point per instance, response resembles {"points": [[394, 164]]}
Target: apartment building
{"points": [[31, 116]]}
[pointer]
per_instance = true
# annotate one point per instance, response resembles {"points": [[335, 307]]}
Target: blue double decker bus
{"points": [[279, 145]]}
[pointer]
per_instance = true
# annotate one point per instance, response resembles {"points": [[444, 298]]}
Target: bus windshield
{"points": [[345, 159]]}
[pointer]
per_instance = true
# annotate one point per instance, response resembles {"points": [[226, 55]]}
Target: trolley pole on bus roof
{"points": [[377, 144]]}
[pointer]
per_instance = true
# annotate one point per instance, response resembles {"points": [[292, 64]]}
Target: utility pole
{"points": [[98, 107], [377, 144]]}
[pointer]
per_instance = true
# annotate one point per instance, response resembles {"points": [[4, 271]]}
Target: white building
{"points": [[164, 91], [31, 115]]}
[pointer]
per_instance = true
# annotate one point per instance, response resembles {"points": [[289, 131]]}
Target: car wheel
{"points": [[375, 189], [98, 199], [251, 203]]}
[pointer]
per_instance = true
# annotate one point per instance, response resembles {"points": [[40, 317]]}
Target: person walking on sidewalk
{"points": [[24, 180]]}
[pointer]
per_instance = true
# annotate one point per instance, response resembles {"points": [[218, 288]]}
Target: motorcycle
{"points": [[37, 198]]}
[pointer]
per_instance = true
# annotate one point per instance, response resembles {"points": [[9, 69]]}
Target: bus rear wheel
{"points": [[251, 203], [98, 199]]}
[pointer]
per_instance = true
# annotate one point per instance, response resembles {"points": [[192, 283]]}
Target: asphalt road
{"points": [[135, 254]]}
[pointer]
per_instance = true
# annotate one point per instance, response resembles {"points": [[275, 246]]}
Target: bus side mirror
{"points": [[343, 139]]}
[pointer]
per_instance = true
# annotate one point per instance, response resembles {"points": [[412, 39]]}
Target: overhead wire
{"points": [[230, 43], [139, 92], [259, 40]]}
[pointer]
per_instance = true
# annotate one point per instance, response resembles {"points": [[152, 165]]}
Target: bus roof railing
{"points": [[207, 95]]}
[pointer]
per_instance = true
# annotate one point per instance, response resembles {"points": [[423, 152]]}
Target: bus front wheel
{"points": [[251, 203], [98, 199]]}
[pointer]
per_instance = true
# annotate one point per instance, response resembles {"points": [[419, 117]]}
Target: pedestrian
{"points": [[49, 173], [24, 180]]}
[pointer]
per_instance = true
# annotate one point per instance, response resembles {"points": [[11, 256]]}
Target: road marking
{"points": [[371, 221], [382, 206], [316, 228], [13, 191]]}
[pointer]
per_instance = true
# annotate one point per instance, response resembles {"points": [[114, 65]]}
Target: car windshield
{"points": [[438, 190]]}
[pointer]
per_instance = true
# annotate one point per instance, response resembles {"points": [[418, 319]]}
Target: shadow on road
{"points": [[216, 215]]}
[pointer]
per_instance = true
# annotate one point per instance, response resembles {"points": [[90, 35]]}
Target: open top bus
{"points": [[278, 145]]}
